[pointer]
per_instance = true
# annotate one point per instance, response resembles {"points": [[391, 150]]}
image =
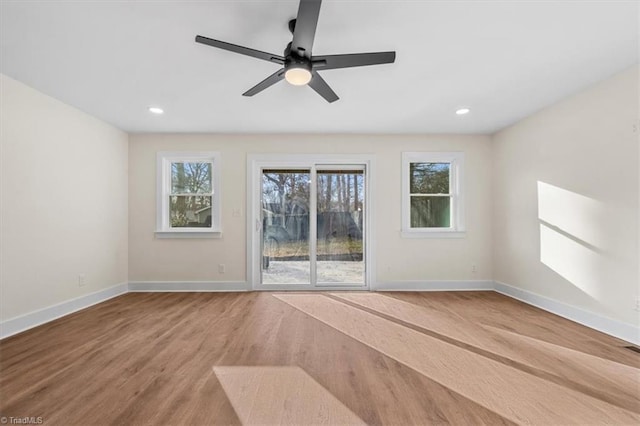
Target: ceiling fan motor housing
{"points": [[295, 61]]}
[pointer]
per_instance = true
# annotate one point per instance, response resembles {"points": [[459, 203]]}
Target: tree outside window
{"points": [[191, 194]]}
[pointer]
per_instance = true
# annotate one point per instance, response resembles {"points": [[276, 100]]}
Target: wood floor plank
{"points": [[497, 310], [367, 382], [149, 358], [509, 392], [613, 382], [282, 395]]}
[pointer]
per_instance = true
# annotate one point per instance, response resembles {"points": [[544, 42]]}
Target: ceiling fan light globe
{"points": [[298, 76]]}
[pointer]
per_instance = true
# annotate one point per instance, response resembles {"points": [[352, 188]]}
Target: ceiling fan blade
{"points": [[330, 62], [305, 29], [267, 82], [240, 49], [318, 84]]}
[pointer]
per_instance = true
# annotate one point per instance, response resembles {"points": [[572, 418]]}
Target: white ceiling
{"points": [[503, 59]]}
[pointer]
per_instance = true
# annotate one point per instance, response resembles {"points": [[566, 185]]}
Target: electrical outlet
{"points": [[236, 213], [221, 268], [474, 268], [82, 280], [637, 306]]}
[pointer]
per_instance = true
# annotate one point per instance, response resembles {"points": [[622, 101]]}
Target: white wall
{"points": [[565, 191], [397, 260], [63, 202]]}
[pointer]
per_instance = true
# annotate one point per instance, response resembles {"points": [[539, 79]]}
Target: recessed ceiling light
{"points": [[463, 111], [156, 110]]}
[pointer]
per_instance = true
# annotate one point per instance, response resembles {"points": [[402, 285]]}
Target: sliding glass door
{"points": [[312, 224]]}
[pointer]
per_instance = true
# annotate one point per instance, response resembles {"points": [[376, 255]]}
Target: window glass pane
{"points": [[285, 227], [188, 211], [340, 226], [191, 178], [429, 178], [430, 212]]}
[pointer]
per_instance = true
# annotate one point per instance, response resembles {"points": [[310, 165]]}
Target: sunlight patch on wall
{"points": [[575, 262], [573, 234], [575, 214]]}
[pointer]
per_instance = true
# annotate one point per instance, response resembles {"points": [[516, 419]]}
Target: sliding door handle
{"points": [[258, 225]]}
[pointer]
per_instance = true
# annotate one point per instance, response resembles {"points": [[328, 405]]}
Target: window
{"points": [[188, 202], [432, 202]]}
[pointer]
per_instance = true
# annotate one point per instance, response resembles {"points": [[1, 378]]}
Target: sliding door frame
{"points": [[256, 163]]}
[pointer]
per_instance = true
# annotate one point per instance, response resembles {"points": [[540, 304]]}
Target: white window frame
{"points": [[456, 180], [163, 227]]}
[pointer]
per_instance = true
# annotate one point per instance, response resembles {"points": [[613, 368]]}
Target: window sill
{"points": [[188, 234], [433, 234]]}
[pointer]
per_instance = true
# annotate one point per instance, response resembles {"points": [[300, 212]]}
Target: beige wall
{"points": [[565, 191], [397, 259], [63, 202]]}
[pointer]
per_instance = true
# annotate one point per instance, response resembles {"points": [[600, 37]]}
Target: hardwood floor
{"points": [[332, 358]]}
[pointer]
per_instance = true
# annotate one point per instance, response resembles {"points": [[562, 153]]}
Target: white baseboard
{"points": [[589, 319], [186, 286], [32, 319], [469, 285]]}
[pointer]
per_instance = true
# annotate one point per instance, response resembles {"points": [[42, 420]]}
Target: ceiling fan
{"points": [[299, 66]]}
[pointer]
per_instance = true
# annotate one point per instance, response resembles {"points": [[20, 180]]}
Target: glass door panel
{"points": [[286, 226], [340, 227]]}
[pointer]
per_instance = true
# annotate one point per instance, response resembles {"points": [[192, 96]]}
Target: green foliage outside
{"points": [[426, 181]]}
